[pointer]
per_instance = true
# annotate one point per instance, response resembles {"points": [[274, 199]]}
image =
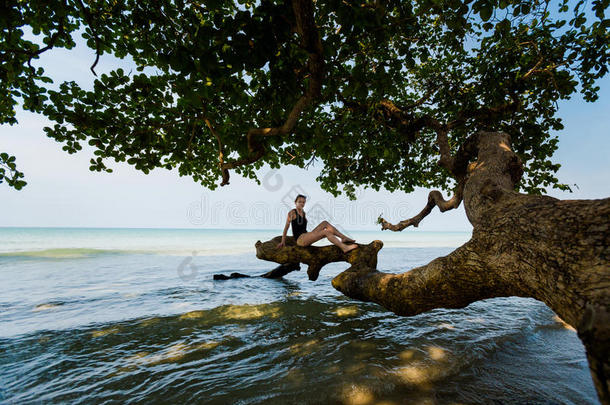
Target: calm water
{"points": [[131, 315]]}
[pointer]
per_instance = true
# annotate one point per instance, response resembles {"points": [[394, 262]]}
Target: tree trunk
{"points": [[522, 245]]}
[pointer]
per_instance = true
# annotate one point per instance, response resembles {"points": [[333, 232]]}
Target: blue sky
{"points": [[61, 190]]}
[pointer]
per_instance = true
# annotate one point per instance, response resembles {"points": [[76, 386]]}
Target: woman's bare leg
{"points": [[320, 233], [335, 231], [308, 238], [334, 239]]}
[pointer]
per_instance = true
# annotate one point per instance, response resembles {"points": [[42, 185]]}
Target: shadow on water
{"points": [[297, 350]]}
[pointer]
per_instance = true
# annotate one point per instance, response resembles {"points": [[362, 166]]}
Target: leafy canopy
{"points": [[389, 74]]}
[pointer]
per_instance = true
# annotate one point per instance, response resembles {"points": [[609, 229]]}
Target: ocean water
{"points": [[134, 316]]}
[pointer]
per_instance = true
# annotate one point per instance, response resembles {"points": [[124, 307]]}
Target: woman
{"points": [[296, 217]]}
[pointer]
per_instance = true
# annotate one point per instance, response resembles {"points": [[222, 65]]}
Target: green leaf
{"points": [[486, 12]]}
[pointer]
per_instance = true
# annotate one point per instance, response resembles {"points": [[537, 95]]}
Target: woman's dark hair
{"points": [[298, 196]]}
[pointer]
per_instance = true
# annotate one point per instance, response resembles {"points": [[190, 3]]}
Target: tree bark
{"points": [[316, 257], [556, 251], [278, 272]]}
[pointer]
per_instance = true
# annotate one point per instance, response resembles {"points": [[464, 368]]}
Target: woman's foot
{"points": [[349, 248], [348, 240]]}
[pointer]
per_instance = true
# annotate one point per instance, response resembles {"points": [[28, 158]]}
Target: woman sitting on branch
{"points": [[296, 217]]}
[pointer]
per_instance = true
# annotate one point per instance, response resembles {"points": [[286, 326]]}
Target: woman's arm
{"points": [[283, 242]]}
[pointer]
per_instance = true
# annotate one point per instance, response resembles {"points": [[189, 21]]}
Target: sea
{"points": [[104, 315]]}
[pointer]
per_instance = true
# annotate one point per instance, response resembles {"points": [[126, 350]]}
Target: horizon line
{"points": [[198, 229]]}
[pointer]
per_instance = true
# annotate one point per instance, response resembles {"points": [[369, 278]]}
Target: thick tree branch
{"points": [[409, 125], [467, 151], [435, 199], [442, 141], [423, 121], [316, 257], [311, 42], [453, 281]]}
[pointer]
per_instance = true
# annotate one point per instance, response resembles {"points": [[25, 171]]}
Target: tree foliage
{"points": [[363, 87]]}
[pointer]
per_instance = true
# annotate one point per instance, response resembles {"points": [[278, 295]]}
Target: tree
{"points": [[457, 95]]}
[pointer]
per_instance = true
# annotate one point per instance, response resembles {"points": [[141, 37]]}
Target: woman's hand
{"points": [[281, 244]]}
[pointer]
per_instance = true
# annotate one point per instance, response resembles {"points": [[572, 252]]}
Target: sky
{"points": [[62, 192]]}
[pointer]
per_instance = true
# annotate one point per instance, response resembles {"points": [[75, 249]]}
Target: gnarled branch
{"points": [[417, 124], [316, 257], [410, 124], [435, 199], [442, 140], [440, 284]]}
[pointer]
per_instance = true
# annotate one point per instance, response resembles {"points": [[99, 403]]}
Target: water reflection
{"points": [[296, 350], [104, 332], [351, 310]]}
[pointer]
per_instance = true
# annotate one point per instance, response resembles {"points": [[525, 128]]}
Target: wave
{"points": [[62, 253], [76, 253], [182, 251]]}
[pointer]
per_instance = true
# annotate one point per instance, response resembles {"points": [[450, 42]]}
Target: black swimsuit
{"points": [[299, 225]]}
